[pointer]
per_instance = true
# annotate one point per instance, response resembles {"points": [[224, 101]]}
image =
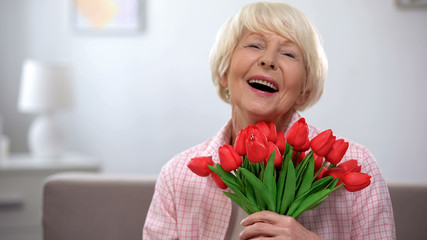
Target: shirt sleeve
{"points": [[161, 221], [372, 209]]}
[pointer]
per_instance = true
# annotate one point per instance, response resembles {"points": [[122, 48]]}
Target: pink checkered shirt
{"points": [[186, 206]]}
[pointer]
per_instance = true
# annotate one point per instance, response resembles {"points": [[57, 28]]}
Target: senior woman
{"points": [[267, 63]]}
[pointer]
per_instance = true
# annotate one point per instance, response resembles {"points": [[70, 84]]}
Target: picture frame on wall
{"points": [[411, 3], [106, 16]]}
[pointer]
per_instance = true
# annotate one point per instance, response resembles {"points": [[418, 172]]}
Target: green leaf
{"points": [[302, 167], [250, 194], [322, 182], [311, 201], [319, 202], [280, 185], [233, 186], [269, 180], [332, 184], [315, 187], [320, 169], [262, 193], [290, 187], [226, 176], [308, 178], [243, 202]]}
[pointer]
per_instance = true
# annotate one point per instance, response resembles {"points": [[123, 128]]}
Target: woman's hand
{"points": [[270, 225]]}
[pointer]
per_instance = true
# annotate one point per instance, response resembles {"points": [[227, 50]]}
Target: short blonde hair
{"points": [[282, 19]]}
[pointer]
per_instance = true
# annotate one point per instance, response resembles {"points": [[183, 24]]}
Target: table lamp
{"points": [[46, 87]]}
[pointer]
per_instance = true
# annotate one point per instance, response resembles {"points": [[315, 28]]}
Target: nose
{"points": [[268, 61], [267, 64]]}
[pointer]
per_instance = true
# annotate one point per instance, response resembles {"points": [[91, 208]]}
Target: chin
{"points": [[264, 115]]}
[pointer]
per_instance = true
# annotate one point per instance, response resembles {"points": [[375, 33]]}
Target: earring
{"points": [[227, 94]]}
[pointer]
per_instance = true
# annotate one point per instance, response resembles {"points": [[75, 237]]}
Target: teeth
{"points": [[268, 84]]}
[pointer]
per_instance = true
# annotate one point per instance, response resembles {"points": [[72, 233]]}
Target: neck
{"points": [[240, 121]]}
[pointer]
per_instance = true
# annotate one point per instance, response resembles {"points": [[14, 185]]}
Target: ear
{"points": [[223, 80], [303, 97]]}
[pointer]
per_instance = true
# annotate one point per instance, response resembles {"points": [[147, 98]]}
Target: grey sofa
{"points": [[98, 206]]}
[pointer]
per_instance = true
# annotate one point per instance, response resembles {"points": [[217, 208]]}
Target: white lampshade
{"points": [[45, 87]]}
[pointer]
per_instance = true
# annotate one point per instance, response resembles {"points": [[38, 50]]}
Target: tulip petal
{"points": [[199, 165], [355, 181]]}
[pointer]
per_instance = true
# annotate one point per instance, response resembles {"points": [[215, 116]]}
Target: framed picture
{"points": [[411, 3], [106, 16]]}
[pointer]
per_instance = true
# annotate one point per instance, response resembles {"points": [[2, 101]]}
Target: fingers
{"points": [[271, 225], [265, 217], [259, 230]]}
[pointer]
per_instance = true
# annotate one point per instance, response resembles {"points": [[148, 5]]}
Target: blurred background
{"points": [[142, 96]]}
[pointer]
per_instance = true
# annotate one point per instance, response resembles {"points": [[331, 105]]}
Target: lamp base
{"points": [[45, 138]]}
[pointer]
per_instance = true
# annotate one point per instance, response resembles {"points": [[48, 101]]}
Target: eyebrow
{"points": [[258, 34]]}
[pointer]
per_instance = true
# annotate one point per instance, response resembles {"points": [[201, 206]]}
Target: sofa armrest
{"points": [[95, 206], [409, 209]]}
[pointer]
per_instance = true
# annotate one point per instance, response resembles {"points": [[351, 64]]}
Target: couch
{"points": [[102, 206]]}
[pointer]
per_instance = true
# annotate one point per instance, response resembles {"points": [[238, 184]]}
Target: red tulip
{"points": [[322, 172], [277, 156], [318, 162], [218, 181], [253, 131], [297, 135], [240, 143], [256, 150], [357, 169], [273, 133], [339, 148], [335, 172], [199, 166], [269, 130], [304, 147], [322, 143], [356, 181], [350, 166], [281, 142], [300, 157], [229, 158]]}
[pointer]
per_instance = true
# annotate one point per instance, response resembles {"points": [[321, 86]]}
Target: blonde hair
{"points": [[282, 19]]}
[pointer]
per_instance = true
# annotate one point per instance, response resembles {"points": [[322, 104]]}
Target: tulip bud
{"points": [[318, 162], [322, 172], [277, 156], [269, 130], [240, 143], [350, 166], [218, 181], [300, 157], [335, 172], [273, 133], [228, 157], [339, 148], [355, 181], [304, 147], [281, 142], [322, 143], [256, 150], [199, 166], [297, 135], [253, 131]]}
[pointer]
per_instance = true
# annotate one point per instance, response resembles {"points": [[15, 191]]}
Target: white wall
{"points": [[143, 98]]}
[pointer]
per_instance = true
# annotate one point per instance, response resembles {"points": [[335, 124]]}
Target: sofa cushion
{"points": [[95, 206]]}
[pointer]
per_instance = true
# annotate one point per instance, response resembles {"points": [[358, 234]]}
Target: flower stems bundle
{"points": [[266, 171]]}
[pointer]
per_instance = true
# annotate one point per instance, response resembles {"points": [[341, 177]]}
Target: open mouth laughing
{"points": [[263, 85]]}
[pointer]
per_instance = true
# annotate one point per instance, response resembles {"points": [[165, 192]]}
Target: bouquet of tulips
{"points": [[288, 175]]}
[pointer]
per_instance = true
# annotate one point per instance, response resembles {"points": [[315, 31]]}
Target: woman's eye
{"points": [[254, 46], [291, 55]]}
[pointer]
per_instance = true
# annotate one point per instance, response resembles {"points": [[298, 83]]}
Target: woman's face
{"points": [[265, 77]]}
